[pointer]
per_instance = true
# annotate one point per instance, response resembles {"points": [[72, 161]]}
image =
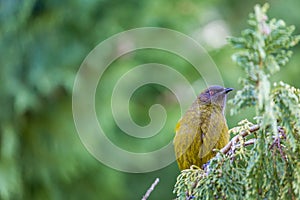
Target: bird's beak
{"points": [[228, 90]]}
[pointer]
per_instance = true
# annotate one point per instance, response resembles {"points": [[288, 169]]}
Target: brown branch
{"points": [[145, 197], [245, 133], [248, 142], [233, 143], [236, 138]]}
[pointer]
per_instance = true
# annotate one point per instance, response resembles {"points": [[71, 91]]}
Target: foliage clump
{"points": [[263, 160]]}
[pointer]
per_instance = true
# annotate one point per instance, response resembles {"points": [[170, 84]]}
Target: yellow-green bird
{"points": [[202, 128]]}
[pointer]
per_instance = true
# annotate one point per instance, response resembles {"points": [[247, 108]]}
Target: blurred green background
{"points": [[43, 43]]}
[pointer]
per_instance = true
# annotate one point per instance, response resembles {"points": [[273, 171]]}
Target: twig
{"points": [[236, 138], [277, 143], [248, 142], [145, 197]]}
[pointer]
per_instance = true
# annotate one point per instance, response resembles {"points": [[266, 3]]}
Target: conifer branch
{"points": [[232, 143]]}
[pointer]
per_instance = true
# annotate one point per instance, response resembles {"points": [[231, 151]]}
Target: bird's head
{"points": [[215, 95]]}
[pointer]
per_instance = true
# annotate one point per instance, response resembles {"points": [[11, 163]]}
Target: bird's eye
{"points": [[211, 93]]}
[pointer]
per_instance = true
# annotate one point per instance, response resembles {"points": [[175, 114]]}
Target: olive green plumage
{"points": [[202, 128]]}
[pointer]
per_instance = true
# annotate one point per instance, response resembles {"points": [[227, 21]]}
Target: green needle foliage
{"points": [[266, 165]]}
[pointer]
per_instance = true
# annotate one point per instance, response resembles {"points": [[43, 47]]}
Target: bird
{"points": [[202, 128]]}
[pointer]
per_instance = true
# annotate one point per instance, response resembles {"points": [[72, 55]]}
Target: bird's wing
{"points": [[187, 129], [212, 130]]}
